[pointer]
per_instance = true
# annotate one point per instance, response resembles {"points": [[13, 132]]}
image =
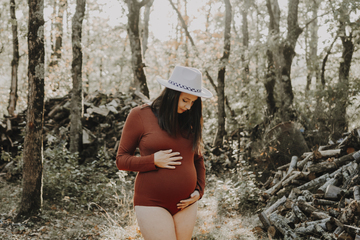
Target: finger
{"points": [[170, 167], [167, 151], [174, 163], [174, 154], [186, 201], [194, 195], [175, 159]]}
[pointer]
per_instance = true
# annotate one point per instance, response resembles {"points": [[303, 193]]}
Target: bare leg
{"points": [[155, 223], [185, 221]]}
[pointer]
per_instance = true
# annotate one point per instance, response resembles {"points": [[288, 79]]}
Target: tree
{"points": [[15, 62], [346, 36], [245, 41], [221, 76], [76, 70], [270, 79], [220, 88], [31, 201], [145, 32], [57, 47], [312, 61], [139, 78], [281, 56]]}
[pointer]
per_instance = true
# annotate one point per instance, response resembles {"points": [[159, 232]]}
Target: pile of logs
{"points": [[104, 118], [316, 195]]}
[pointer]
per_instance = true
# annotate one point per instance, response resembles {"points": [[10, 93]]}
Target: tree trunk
{"points": [[286, 55], [31, 201], [245, 33], [283, 53], [56, 54], [139, 81], [145, 32], [270, 80], [76, 70], [221, 76], [312, 59], [14, 63], [340, 120]]}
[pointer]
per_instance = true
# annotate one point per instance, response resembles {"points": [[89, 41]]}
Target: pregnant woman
{"points": [[171, 172]]}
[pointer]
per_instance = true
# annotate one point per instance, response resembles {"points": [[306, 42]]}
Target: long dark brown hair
{"points": [[188, 124]]}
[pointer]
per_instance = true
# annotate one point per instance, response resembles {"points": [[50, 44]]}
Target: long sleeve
{"points": [[130, 139], [200, 171]]}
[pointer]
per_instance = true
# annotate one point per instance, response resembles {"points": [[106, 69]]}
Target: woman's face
{"points": [[186, 101]]}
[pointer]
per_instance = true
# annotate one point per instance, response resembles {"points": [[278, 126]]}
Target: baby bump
{"points": [[165, 185]]}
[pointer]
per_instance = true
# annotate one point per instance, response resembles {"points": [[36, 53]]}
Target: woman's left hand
{"points": [[187, 202]]}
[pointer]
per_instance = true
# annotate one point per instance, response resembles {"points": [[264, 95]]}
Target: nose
{"points": [[188, 106]]}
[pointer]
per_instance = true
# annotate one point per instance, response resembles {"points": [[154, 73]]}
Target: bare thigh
{"points": [[155, 223], [185, 221]]}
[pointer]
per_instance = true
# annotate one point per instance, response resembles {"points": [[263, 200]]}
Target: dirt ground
{"points": [[55, 222]]}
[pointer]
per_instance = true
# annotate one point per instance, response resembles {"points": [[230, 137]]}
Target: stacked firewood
{"points": [[316, 195], [104, 118]]}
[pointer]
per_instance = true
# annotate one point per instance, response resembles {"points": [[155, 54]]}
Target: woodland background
{"points": [[267, 62]]}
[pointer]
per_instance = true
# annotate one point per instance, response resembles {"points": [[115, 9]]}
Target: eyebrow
{"points": [[189, 99]]}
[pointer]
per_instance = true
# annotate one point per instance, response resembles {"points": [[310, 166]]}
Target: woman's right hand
{"points": [[167, 159]]}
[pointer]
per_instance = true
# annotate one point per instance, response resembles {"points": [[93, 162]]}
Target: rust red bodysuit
{"points": [[158, 186]]}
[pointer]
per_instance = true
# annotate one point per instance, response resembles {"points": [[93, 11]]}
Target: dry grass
{"points": [[211, 224]]}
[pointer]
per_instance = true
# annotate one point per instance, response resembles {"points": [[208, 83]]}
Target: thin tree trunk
{"points": [[14, 63], [31, 201], [245, 33], [283, 53], [76, 70], [221, 76], [340, 121], [287, 51], [139, 81], [270, 80], [57, 47], [145, 33], [324, 63], [312, 59]]}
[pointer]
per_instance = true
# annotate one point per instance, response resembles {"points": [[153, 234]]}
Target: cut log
{"points": [[280, 223], [299, 214], [277, 178], [344, 236], [322, 215], [301, 164], [338, 231], [295, 175], [333, 192], [307, 208], [326, 224], [268, 182], [308, 230], [357, 193], [329, 203], [324, 234], [331, 165], [352, 210], [274, 206], [314, 183], [277, 186], [272, 232], [293, 162], [295, 192], [264, 220], [308, 195], [8, 126], [334, 213], [332, 181], [292, 219]]}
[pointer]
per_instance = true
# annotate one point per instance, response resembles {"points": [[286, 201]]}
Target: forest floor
{"points": [[57, 221]]}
